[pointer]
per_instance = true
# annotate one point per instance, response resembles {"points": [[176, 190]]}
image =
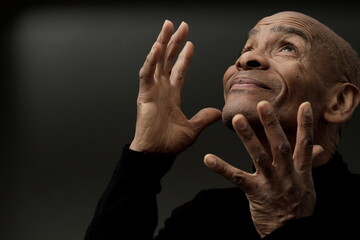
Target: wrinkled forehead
{"points": [[301, 24]]}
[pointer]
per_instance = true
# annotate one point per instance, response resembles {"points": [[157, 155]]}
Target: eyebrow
{"points": [[282, 29]]}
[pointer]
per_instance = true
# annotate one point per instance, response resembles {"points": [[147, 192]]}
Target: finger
{"points": [[303, 152], [174, 45], [261, 160], [165, 33], [306, 172], [317, 149], [204, 118], [180, 69], [237, 176], [146, 73], [163, 40], [279, 144]]}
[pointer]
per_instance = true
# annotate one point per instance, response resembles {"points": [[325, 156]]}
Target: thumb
{"points": [[204, 118]]}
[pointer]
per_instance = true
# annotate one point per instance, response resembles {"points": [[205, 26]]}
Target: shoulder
{"points": [[355, 177], [353, 184]]}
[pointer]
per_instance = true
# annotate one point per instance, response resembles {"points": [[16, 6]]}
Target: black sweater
{"points": [[128, 209]]}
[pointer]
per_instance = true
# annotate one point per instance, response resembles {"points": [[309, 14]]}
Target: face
{"points": [[278, 64]]}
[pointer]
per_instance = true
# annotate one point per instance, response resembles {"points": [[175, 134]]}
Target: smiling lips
{"points": [[241, 83]]}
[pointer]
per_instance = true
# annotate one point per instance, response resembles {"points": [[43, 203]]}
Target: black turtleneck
{"points": [[128, 210]]}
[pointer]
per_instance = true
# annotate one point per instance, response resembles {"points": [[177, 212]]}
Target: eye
{"points": [[288, 47], [246, 49]]}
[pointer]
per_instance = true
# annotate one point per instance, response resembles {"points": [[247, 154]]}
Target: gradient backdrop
{"points": [[69, 80]]}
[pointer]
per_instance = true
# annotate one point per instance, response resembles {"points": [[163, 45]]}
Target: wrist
{"points": [[144, 148]]}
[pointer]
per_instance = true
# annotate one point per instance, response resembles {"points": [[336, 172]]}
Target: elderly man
{"points": [[287, 96]]}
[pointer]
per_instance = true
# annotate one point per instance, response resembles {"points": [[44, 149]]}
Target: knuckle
{"points": [[246, 135], [179, 75], [146, 67], [237, 179], [307, 142], [142, 73], [222, 169], [307, 124], [244, 183], [261, 159], [284, 148], [271, 122]]}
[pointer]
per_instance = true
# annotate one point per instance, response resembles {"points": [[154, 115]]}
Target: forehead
{"points": [[279, 29], [290, 23]]}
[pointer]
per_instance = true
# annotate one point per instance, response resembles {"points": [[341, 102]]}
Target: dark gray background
{"points": [[69, 83]]}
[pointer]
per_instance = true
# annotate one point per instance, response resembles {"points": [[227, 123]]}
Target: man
{"points": [[288, 95]]}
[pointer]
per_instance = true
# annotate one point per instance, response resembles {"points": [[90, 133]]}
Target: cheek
{"points": [[301, 84], [294, 90], [228, 73], [296, 81]]}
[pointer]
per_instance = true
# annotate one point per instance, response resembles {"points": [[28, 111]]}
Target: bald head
{"points": [[343, 62], [290, 58]]}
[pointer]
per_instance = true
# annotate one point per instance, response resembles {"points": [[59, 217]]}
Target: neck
{"points": [[328, 139]]}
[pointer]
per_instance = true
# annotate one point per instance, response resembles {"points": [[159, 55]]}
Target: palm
{"points": [[161, 125]]}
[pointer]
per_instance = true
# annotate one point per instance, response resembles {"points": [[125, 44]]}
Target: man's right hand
{"points": [[161, 126]]}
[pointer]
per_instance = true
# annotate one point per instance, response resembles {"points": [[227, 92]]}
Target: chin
{"points": [[227, 120], [248, 110]]}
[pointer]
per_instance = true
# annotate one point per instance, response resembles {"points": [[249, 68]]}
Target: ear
{"points": [[343, 101]]}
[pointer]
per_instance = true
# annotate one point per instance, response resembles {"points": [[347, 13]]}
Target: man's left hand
{"points": [[281, 188]]}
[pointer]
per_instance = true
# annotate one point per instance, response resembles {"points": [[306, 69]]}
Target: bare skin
{"points": [[278, 65], [275, 100], [161, 126], [281, 189]]}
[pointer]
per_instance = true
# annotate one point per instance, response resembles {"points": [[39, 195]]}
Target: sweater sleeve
{"points": [[303, 228], [313, 227], [127, 208]]}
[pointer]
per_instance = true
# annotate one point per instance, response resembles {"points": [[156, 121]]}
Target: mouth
{"points": [[246, 83]]}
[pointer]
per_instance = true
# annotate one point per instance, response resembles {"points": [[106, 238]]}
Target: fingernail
{"points": [[181, 25], [266, 108], [241, 123], [307, 109], [210, 161], [165, 22]]}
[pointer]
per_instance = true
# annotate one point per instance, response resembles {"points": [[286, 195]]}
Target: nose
{"points": [[252, 60]]}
